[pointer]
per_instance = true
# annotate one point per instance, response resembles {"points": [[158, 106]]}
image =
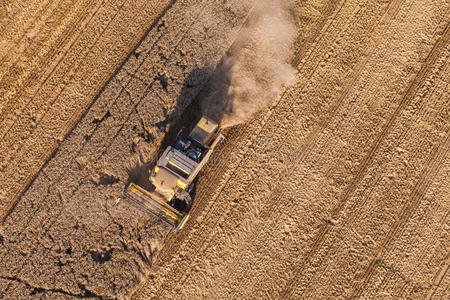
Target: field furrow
{"points": [[338, 188]]}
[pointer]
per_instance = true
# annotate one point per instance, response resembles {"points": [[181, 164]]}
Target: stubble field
{"points": [[339, 189]]}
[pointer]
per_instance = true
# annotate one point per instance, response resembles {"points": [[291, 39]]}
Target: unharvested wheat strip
{"points": [[38, 52], [21, 101], [63, 70], [28, 38], [16, 20], [18, 41], [7, 141], [25, 110]]}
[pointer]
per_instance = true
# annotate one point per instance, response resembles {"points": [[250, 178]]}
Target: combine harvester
{"points": [[173, 177]]}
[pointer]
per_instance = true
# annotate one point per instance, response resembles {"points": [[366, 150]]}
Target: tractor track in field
{"points": [[378, 178], [439, 153], [418, 80], [335, 190]]}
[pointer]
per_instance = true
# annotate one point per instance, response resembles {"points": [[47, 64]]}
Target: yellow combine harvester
{"points": [[173, 177]]}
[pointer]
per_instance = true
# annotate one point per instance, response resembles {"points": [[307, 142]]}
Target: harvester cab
{"points": [[172, 178]]}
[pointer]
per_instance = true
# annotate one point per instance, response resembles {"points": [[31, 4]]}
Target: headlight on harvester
{"points": [[181, 185], [156, 169]]}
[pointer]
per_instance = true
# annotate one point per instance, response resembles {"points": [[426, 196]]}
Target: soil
{"points": [[340, 189]]}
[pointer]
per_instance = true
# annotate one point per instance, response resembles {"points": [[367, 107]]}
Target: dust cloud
{"points": [[256, 68]]}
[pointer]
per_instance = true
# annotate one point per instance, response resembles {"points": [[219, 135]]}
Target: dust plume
{"points": [[253, 73]]}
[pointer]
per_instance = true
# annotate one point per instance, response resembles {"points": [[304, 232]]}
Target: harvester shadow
{"points": [[188, 112], [139, 174], [184, 112]]}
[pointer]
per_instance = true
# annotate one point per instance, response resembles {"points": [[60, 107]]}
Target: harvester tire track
{"points": [[379, 176], [439, 277], [430, 170], [416, 83], [372, 187]]}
